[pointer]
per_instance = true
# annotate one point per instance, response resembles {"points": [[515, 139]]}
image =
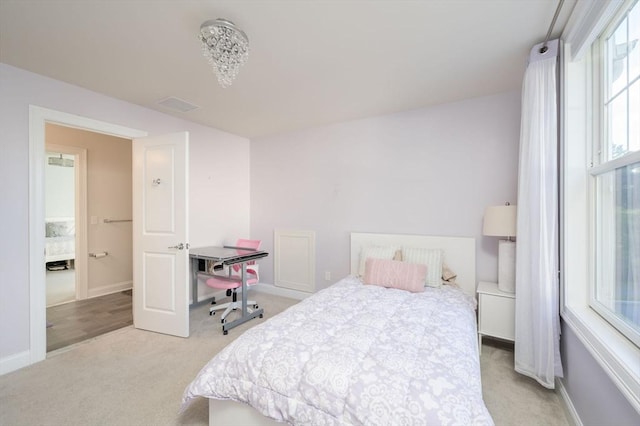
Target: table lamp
{"points": [[500, 221]]}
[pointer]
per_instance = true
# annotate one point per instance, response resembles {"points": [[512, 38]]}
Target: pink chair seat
{"points": [[229, 283]]}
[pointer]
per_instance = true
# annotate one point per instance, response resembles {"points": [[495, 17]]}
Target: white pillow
{"points": [[375, 252], [432, 258]]}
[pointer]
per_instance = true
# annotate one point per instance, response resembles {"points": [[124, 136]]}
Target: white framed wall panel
{"points": [[295, 259]]}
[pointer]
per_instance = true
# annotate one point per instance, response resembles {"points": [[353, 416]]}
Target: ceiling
{"points": [[311, 62]]}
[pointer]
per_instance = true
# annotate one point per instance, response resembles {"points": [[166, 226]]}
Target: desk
{"points": [[226, 256]]}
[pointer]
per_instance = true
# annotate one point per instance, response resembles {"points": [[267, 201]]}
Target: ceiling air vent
{"points": [[177, 104]]}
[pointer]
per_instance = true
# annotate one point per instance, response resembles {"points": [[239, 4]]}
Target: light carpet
{"points": [[134, 377]]}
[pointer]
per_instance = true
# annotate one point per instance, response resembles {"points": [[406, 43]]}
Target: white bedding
{"points": [[60, 239], [357, 354]]}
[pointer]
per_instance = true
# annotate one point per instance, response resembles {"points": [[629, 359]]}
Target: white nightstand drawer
{"points": [[496, 312], [498, 316]]}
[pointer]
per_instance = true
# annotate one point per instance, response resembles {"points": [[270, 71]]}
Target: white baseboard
{"points": [[261, 288], [280, 291], [15, 362], [570, 409], [109, 289]]}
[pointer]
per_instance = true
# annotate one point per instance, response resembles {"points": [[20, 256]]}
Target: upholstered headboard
{"points": [[459, 252]]}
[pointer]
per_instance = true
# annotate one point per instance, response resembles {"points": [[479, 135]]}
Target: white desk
{"points": [[226, 256]]}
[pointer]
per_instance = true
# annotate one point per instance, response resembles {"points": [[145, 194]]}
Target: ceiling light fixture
{"points": [[226, 47], [60, 161]]}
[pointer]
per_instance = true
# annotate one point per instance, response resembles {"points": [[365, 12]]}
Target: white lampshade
{"points": [[500, 221]]}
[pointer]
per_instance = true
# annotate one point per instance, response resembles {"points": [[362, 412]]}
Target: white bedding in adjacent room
{"points": [[60, 239], [357, 354]]}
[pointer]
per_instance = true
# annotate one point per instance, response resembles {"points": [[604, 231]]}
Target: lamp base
{"points": [[507, 266]]}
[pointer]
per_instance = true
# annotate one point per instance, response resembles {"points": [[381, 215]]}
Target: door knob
{"points": [[179, 246]]}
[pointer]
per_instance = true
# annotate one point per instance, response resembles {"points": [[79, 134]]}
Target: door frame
{"points": [[80, 213], [38, 117]]}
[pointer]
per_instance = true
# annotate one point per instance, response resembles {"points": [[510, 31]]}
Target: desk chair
{"points": [[233, 281]]}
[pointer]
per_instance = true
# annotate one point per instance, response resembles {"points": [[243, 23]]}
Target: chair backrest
{"points": [[250, 244]]}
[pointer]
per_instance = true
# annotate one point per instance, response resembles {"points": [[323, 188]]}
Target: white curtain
{"points": [[537, 334]]}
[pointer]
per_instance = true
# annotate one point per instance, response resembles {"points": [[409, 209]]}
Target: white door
{"points": [[160, 232]]}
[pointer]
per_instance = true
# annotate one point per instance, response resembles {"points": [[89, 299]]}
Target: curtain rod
{"points": [[544, 47]]}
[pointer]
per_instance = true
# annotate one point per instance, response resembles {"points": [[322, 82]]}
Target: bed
{"points": [[360, 354], [60, 239]]}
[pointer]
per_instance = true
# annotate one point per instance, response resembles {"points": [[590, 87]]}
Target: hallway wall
{"points": [[59, 189], [109, 192]]}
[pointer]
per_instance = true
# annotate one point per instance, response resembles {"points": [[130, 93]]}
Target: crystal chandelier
{"points": [[226, 47]]}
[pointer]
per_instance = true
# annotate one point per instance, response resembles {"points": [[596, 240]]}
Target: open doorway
{"points": [[175, 283], [88, 234], [64, 193], [38, 119]]}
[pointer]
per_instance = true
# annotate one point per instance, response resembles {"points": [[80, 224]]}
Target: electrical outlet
{"points": [[327, 276]]}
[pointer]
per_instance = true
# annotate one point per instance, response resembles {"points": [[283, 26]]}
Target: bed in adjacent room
{"points": [[60, 239], [390, 344]]}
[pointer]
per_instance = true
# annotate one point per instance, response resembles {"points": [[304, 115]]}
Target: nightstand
{"points": [[496, 313]]}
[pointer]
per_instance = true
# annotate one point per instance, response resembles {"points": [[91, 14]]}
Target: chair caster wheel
{"points": [[255, 306], [222, 321], [211, 313], [261, 315], [225, 332]]}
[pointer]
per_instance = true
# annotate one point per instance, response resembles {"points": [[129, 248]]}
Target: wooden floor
{"points": [[77, 321]]}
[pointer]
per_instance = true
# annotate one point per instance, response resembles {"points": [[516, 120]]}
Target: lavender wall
{"points": [[428, 171], [593, 394]]}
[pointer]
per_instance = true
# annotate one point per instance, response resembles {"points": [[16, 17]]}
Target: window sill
{"points": [[616, 355]]}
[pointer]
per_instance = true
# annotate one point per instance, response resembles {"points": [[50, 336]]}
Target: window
{"points": [[615, 292], [599, 200]]}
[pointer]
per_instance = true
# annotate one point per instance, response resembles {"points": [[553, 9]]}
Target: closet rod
{"points": [[544, 47], [117, 220]]}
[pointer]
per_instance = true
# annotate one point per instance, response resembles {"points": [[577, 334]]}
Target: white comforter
{"points": [[357, 354]]}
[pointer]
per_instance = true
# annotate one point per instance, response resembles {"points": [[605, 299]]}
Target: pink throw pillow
{"points": [[395, 274]]}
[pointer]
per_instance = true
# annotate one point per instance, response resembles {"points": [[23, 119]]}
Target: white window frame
{"points": [[602, 165], [580, 124]]}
